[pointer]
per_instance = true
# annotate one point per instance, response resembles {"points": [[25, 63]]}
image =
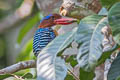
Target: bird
{"points": [[45, 33]]}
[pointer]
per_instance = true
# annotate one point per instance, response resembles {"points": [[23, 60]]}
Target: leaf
{"points": [[69, 77], [107, 54], [72, 50], [114, 21], [72, 60], [4, 76], [114, 71], [27, 75], [86, 75], [108, 3], [57, 71], [29, 25], [103, 11], [46, 60], [90, 38], [25, 54]]}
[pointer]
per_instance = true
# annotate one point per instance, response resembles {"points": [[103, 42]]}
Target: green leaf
{"points": [[4, 76], [108, 3], [72, 60], [103, 11], [114, 21], [26, 54], [90, 38], [69, 77], [46, 60], [107, 54], [27, 75], [86, 75], [114, 71], [28, 26]]}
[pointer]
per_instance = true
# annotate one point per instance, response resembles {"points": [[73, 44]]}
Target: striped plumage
{"points": [[41, 38], [45, 33]]}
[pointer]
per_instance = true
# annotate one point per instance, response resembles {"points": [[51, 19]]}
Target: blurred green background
{"points": [[14, 38], [18, 22]]}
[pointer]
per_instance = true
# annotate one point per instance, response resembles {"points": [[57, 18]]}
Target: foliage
{"points": [[89, 38], [114, 71], [114, 19], [108, 3], [48, 55]]}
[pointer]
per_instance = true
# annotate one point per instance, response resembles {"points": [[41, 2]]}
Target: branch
{"points": [[18, 66], [72, 71], [108, 41], [79, 8], [22, 12]]}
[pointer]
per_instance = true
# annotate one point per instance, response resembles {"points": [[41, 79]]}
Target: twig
{"points": [[17, 77], [70, 71], [76, 78], [18, 66]]}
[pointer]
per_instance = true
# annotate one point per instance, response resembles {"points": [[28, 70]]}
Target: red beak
{"points": [[65, 21]]}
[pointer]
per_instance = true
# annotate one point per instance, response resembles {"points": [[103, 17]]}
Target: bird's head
{"points": [[55, 19]]}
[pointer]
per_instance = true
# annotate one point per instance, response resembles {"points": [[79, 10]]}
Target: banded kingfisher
{"points": [[45, 34]]}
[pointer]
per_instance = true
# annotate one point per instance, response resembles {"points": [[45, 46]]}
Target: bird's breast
{"points": [[41, 38]]}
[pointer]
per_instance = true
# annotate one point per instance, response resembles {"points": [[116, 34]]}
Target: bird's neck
{"points": [[47, 25], [48, 29]]}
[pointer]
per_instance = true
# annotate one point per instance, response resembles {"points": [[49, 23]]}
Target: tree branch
{"points": [[18, 66], [79, 8]]}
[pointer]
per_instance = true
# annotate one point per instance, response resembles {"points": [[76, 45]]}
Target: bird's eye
{"points": [[53, 17]]}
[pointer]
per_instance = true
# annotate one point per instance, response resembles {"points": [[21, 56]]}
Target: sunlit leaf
{"points": [[28, 26], [90, 37], [56, 71], [103, 11], [114, 21], [46, 60]]}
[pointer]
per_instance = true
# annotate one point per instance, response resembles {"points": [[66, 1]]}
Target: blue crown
{"points": [[46, 17]]}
